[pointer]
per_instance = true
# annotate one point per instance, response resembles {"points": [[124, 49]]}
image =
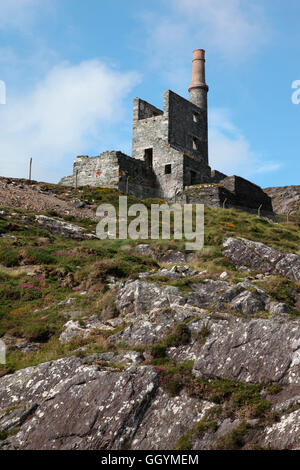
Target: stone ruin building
{"points": [[170, 155]]}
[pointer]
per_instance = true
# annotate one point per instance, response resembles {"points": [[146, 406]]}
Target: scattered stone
{"points": [[176, 272], [14, 343], [68, 301], [63, 229], [172, 257], [108, 357], [129, 358], [145, 250], [73, 314], [168, 257], [224, 275], [8, 237], [79, 204], [73, 329]]}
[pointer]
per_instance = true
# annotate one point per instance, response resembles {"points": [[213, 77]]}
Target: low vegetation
{"points": [[38, 271]]}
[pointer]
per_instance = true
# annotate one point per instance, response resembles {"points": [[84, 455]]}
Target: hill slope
{"points": [[285, 199], [120, 344]]}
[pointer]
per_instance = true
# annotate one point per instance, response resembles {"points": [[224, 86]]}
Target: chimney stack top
{"points": [[198, 73], [199, 54]]}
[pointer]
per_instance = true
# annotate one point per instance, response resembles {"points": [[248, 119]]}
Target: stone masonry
{"points": [[170, 155]]}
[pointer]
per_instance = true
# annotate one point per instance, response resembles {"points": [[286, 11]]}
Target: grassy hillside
{"points": [[38, 270]]}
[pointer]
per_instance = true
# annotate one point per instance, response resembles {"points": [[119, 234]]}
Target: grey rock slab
{"points": [[251, 351], [260, 257]]}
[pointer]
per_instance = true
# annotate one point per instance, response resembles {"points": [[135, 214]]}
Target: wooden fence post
{"points": [[258, 210], [30, 166]]}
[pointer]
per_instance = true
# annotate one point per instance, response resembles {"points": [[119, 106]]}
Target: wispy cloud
{"points": [[72, 108], [232, 30], [19, 14], [234, 27], [231, 152]]}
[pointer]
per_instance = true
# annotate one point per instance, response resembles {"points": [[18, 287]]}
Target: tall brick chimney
{"points": [[198, 88]]}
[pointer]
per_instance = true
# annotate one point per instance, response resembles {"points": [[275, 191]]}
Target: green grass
{"points": [[186, 441], [175, 377], [66, 267], [179, 335], [233, 440]]}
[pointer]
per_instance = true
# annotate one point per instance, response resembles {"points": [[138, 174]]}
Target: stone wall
{"points": [[97, 171], [114, 169], [147, 132], [216, 176], [136, 179], [187, 126], [195, 172], [247, 194], [239, 193], [167, 139], [208, 194], [170, 160], [144, 110]]}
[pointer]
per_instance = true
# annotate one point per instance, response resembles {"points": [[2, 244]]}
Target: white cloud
{"points": [[73, 108], [231, 29], [232, 26], [230, 151], [18, 14]]}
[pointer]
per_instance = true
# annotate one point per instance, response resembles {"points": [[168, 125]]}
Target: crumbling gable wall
{"points": [[97, 171], [187, 127]]}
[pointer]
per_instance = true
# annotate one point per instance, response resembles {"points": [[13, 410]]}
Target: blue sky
{"points": [[72, 69]]}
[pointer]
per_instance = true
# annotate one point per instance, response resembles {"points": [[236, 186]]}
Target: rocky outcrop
{"points": [[284, 434], [250, 351], [92, 403], [117, 400], [150, 309], [260, 257], [63, 229], [148, 386], [285, 199], [70, 405]]}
